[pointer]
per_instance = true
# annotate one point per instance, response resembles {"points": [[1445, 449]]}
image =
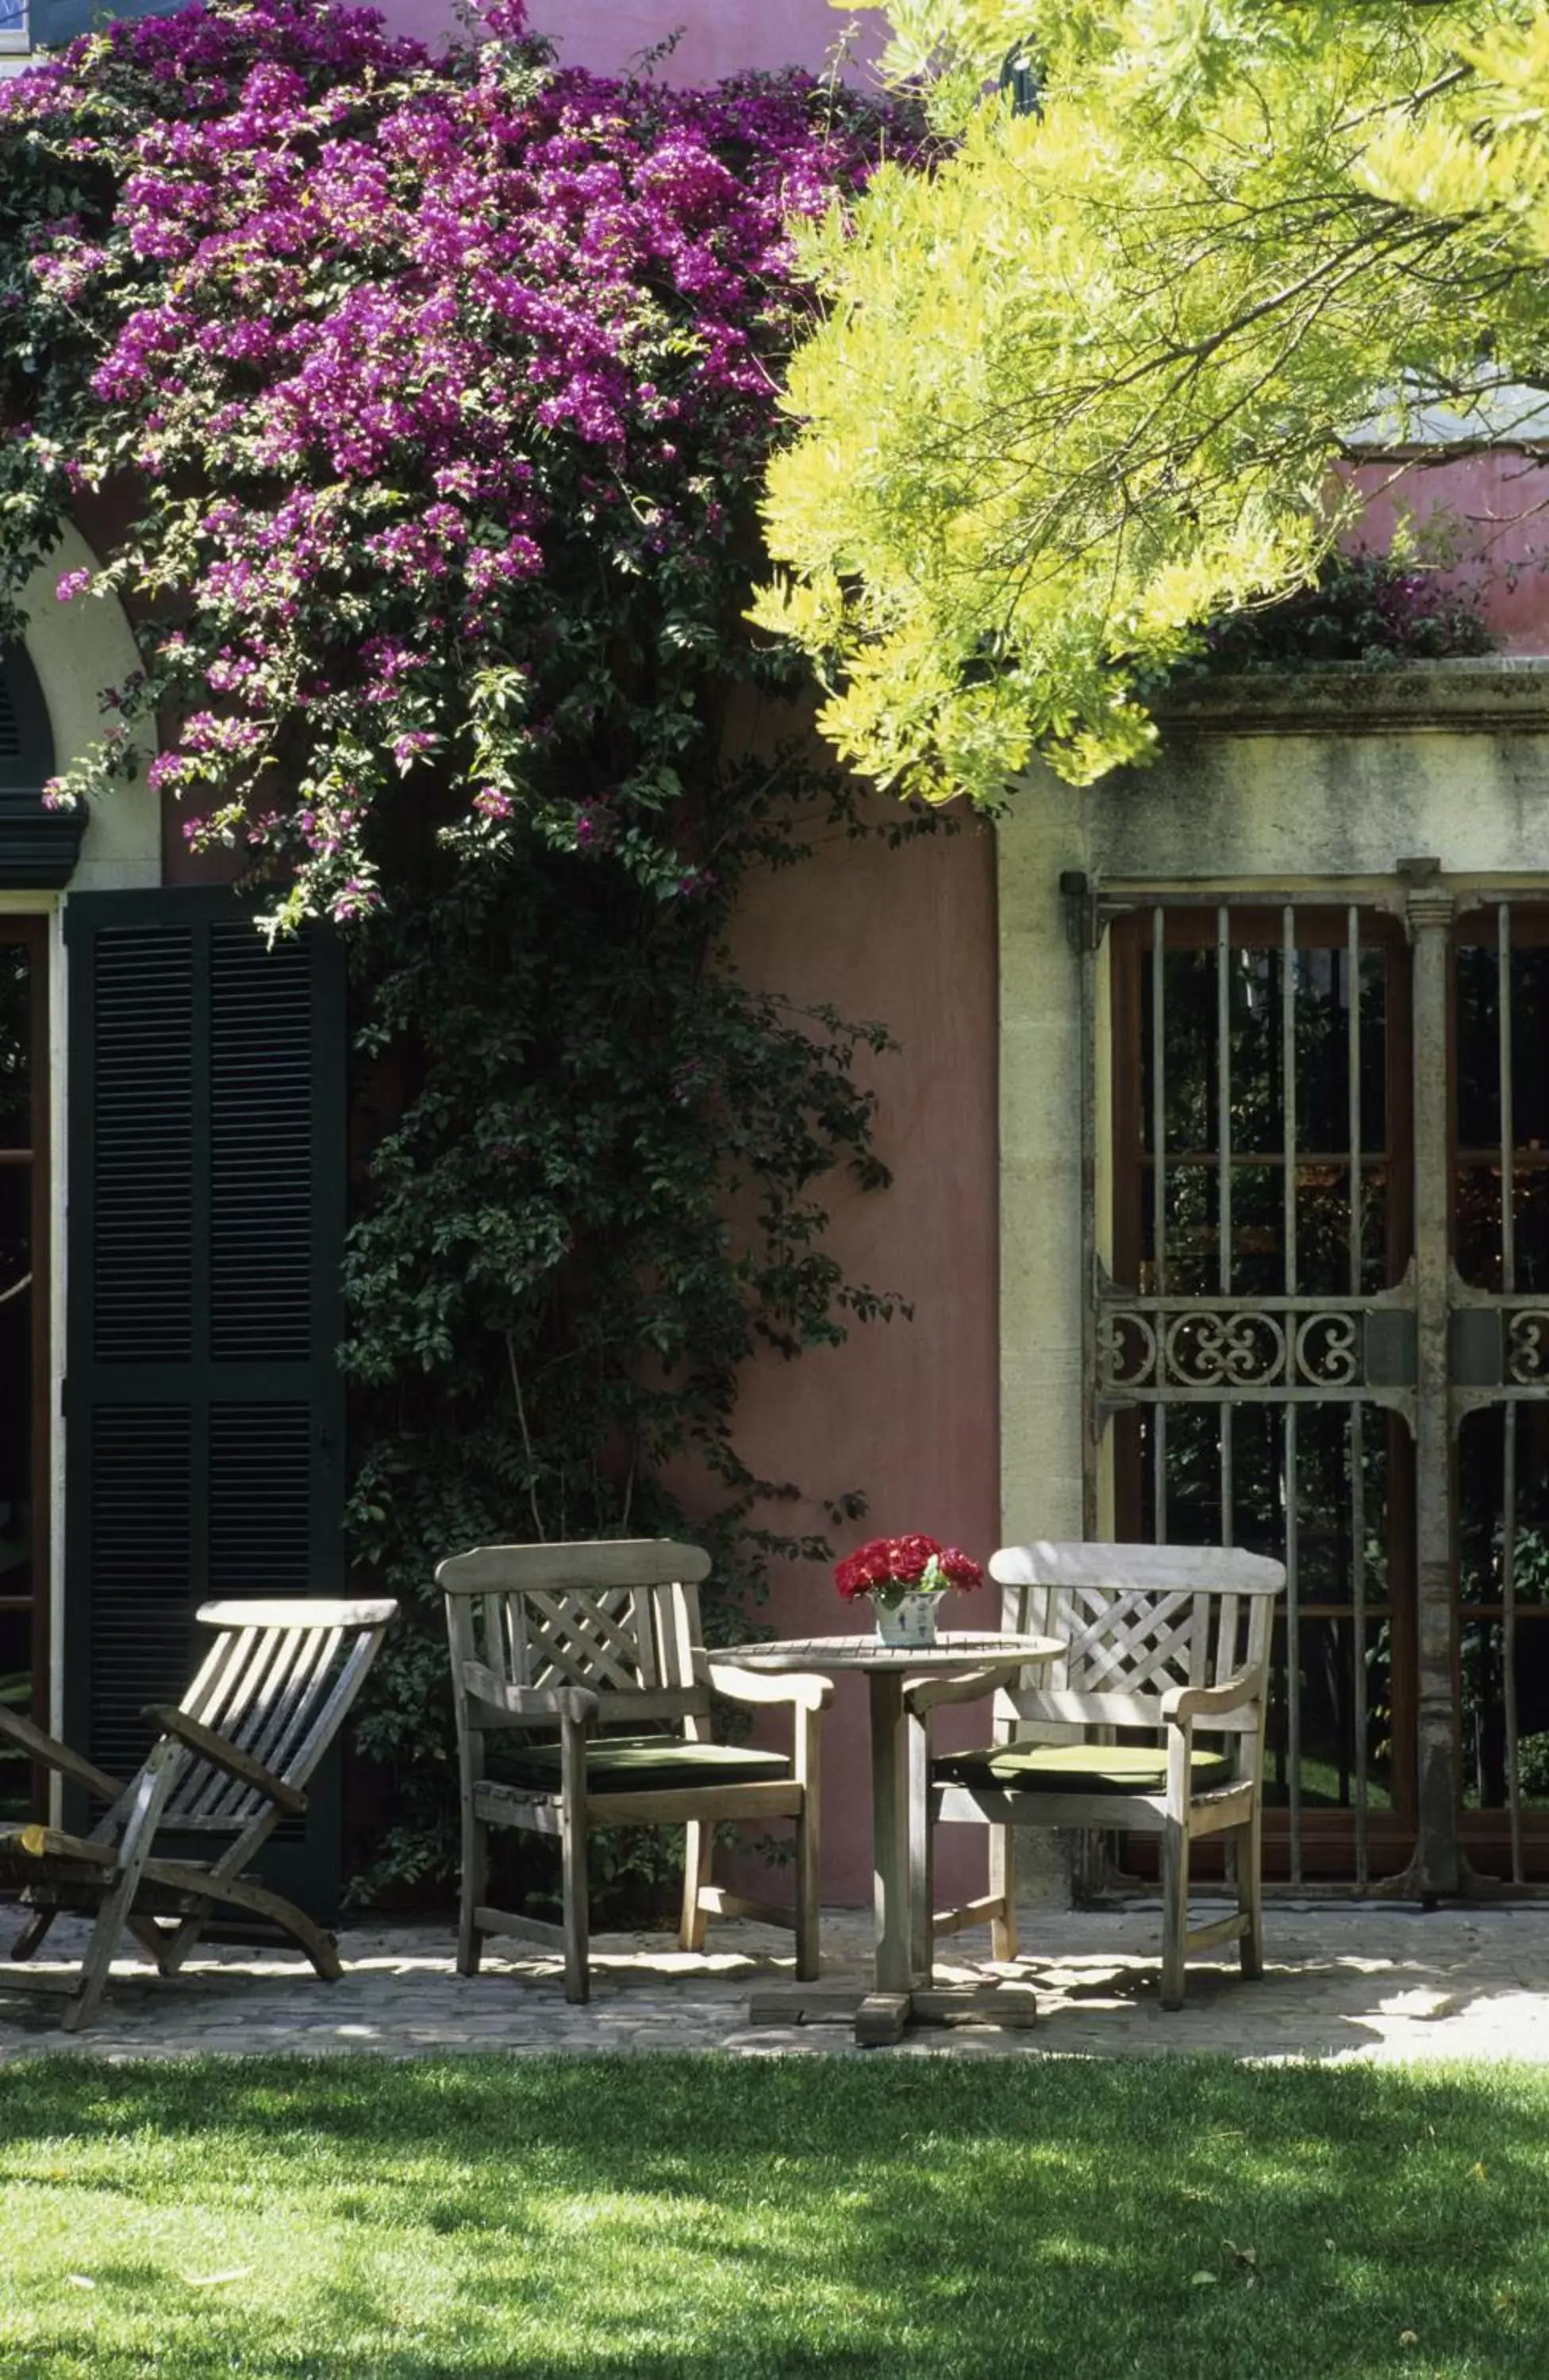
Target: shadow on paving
{"points": [[1387, 1981], [671, 2216]]}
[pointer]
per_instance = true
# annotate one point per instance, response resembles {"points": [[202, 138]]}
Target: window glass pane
{"points": [[16, 1047], [1329, 1716], [1482, 1652], [1255, 981], [15, 1380], [15, 1693]]}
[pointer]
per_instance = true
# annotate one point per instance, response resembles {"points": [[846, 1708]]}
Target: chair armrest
{"points": [[168, 1720], [54, 1755], [752, 1686], [927, 1693], [1190, 1703], [527, 1705]]}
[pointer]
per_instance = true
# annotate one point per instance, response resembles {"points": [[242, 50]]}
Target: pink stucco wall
{"points": [[719, 37], [905, 1410], [1493, 512]]}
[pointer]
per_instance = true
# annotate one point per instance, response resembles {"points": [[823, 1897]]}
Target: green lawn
{"points": [[892, 2216]]}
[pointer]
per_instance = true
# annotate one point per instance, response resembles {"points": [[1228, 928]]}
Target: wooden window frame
{"points": [[32, 934]]}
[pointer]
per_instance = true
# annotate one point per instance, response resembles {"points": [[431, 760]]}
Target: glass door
{"points": [[1499, 1134], [1320, 1329], [1254, 1333], [24, 1366]]}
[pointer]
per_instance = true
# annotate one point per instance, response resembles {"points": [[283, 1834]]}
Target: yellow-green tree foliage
{"points": [[1086, 382]]}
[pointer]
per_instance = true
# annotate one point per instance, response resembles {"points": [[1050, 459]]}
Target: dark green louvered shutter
{"points": [[51, 23], [204, 1420]]}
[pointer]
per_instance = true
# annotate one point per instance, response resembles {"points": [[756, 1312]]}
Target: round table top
{"points": [[955, 1649]]}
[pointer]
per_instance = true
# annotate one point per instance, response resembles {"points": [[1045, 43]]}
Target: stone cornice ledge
{"points": [[1500, 694]]}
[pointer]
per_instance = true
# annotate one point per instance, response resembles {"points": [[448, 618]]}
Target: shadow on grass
{"points": [[658, 2217]]}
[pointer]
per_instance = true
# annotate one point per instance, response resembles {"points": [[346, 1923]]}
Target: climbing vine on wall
{"points": [[415, 406]]}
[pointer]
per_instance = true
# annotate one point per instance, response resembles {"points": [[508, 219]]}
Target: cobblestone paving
{"points": [[1381, 1981]]}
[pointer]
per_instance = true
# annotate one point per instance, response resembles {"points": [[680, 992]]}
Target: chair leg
{"points": [[155, 1784], [97, 1964], [184, 1935], [1002, 1886], [1174, 1909], [699, 1850], [473, 1892], [808, 1883], [219, 1890], [578, 1973], [1250, 1895], [32, 1933], [156, 1940]]}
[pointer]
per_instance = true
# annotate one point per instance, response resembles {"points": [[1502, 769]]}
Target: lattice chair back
{"points": [[1135, 1621], [583, 1694], [276, 1684], [620, 1617]]}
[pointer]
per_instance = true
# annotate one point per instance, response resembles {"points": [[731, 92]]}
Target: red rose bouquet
{"points": [[890, 1568]]}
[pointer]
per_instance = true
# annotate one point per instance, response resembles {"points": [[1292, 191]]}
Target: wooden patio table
{"points": [[900, 1829]]}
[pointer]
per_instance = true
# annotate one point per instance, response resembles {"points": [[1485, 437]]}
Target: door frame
{"points": [[31, 931]]}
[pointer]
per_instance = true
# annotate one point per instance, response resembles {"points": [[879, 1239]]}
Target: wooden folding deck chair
{"points": [[230, 1761]]}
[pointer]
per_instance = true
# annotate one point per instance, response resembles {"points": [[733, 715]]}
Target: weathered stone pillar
{"points": [[1435, 1868]]}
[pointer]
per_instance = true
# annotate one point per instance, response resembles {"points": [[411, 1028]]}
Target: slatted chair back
{"points": [[277, 1683], [620, 1617], [1134, 1622]]}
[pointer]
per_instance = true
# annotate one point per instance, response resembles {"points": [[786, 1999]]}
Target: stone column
{"points": [[1435, 1868]]}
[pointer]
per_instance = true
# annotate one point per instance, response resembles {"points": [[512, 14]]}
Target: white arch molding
{"points": [[78, 649]]}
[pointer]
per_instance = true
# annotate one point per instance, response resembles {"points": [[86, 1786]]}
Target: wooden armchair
{"points": [[1163, 1642], [229, 1762], [583, 1700]]}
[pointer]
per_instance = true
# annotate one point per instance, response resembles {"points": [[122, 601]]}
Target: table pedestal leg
{"points": [[901, 1886], [900, 1830]]}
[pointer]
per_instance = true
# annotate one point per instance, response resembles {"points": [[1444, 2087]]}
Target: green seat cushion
{"points": [[635, 1764], [1075, 1769]]}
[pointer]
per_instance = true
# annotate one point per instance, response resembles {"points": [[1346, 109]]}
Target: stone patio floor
{"points": [[1377, 1981]]}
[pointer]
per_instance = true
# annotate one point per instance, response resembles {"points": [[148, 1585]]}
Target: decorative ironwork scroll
{"points": [[1154, 1348]]}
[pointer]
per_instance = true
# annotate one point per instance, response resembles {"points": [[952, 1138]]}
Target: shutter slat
{"points": [[261, 1154], [142, 1061]]}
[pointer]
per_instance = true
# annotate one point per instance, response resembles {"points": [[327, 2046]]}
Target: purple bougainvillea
{"points": [[417, 409], [400, 352]]}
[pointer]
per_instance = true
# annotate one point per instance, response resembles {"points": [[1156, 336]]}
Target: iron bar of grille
{"points": [[1223, 1098], [1357, 1430], [1159, 1190], [1091, 1421], [1159, 1463], [1158, 1102], [1508, 1142], [1357, 1186], [1293, 1644], [1289, 1186], [1509, 1632], [1508, 1413], [1358, 1664], [1307, 1302], [1223, 1174], [1288, 1090]]}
